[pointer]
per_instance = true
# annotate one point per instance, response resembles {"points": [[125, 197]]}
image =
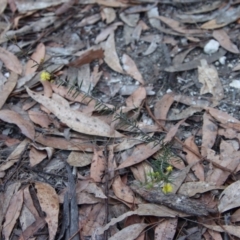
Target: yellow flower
{"points": [[167, 188], [169, 169], [45, 76]]}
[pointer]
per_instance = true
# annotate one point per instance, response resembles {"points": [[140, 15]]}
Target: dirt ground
{"points": [[119, 119]]}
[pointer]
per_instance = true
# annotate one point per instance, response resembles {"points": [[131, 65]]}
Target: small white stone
{"points": [[169, 90], [211, 47], [230, 65], [235, 84], [216, 63], [6, 74], [222, 60]]}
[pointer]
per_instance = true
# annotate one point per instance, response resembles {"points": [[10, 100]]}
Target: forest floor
{"points": [[119, 119]]}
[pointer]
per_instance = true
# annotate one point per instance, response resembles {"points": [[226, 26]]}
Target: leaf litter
{"points": [[134, 134]]}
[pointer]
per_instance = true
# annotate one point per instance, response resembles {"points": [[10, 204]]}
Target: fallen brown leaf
{"points": [[192, 158], [48, 200], [11, 61], [75, 119], [26, 127], [36, 59], [7, 88], [98, 166], [223, 38], [140, 153], [12, 213], [110, 54], [130, 67]]}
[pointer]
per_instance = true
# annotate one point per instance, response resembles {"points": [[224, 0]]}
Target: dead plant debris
{"points": [[119, 119]]}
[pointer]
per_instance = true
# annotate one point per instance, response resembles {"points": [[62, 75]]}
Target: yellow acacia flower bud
{"points": [[167, 188], [45, 76], [169, 169]]}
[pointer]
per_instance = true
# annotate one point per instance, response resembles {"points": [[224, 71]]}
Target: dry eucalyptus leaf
{"points": [[26, 127], [192, 188], [223, 38], [110, 54], [12, 213], [11, 61], [49, 202], [229, 198], [208, 76], [129, 233], [36, 59], [130, 67], [74, 119]]}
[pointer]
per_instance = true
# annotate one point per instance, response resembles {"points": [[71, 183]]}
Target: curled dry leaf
{"points": [[162, 107], [87, 56], [136, 99], [166, 229], [144, 210], [3, 6], [122, 191], [108, 14], [79, 159], [130, 19], [107, 31], [129, 233], [110, 54], [220, 116], [11, 61], [172, 132], [36, 156], [62, 143], [36, 59], [140, 153], [192, 158], [49, 203], [208, 76], [192, 188], [39, 118], [233, 230], [223, 38], [74, 119], [12, 213], [229, 158], [14, 156], [27, 128], [89, 20], [98, 166], [209, 133], [229, 198], [7, 88], [130, 67]]}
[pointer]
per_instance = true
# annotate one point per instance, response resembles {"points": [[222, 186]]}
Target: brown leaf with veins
{"points": [[98, 166], [26, 127], [139, 154], [87, 56], [122, 191], [49, 202], [11, 61], [12, 213], [137, 97], [209, 133], [223, 38], [7, 88], [110, 54], [130, 67], [36, 59], [192, 158]]}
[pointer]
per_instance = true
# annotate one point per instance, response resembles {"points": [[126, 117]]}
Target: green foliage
{"points": [[161, 173]]}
